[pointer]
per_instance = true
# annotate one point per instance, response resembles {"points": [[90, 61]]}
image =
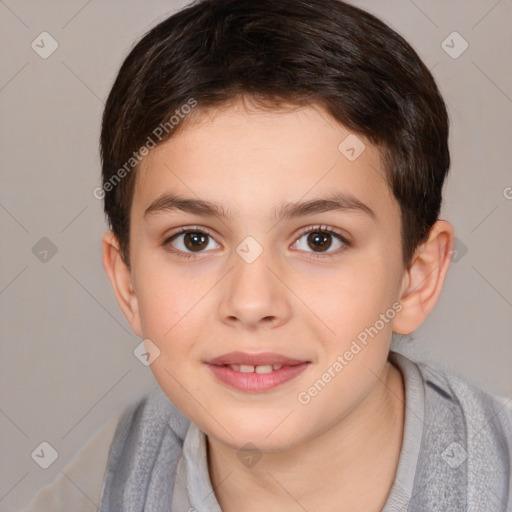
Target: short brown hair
{"points": [[302, 52]]}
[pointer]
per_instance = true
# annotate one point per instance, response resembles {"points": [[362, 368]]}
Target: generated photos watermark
{"points": [[143, 151], [357, 345]]}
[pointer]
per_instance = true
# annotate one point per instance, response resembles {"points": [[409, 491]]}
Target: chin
{"points": [[255, 436]]}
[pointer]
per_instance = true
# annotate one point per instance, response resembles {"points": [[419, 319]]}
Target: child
{"points": [[272, 176]]}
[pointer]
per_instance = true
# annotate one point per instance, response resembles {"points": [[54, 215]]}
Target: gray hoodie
{"points": [[456, 453]]}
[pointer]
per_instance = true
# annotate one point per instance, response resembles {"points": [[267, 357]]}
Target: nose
{"points": [[254, 296]]}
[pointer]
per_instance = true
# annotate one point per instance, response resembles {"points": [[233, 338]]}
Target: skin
{"points": [[346, 441]]}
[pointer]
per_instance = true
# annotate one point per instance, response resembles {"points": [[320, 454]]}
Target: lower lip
{"points": [[256, 381]]}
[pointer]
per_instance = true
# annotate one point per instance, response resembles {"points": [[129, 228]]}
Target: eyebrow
{"points": [[336, 202]]}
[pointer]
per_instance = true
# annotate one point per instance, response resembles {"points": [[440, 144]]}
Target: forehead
{"points": [[239, 156]]}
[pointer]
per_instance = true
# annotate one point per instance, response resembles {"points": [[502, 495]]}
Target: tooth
{"points": [[235, 367], [266, 368], [277, 366], [246, 368]]}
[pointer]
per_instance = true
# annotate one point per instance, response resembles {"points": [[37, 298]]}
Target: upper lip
{"points": [[263, 358]]}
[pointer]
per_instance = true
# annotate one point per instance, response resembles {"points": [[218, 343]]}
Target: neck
{"points": [[351, 466]]}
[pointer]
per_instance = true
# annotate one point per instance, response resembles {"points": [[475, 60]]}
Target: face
{"points": [[255, 272]]}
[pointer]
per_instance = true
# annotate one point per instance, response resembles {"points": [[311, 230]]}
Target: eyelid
{"points": [[187, 229], [324, 228]]}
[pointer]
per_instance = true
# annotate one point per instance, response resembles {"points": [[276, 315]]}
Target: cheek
{"points": [[172, 316], [354, 300], [164, 298], [170, 320], [359, 314]]}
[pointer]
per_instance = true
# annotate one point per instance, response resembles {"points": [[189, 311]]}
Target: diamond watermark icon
{"points": [[459, 250], [44, 455], [454, 455], [249, 249], [146, 352], [44, 45], [249, 455], [454, 45], [351, 147], [44, 250]]}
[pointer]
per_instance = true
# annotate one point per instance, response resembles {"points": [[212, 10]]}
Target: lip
{"points": [[252, 381], [262, 358]]}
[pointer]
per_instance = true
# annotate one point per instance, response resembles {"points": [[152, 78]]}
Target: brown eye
{"points": [[190, 241], [195, 241], [319, 240]]}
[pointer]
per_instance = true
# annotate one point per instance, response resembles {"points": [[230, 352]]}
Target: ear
{"points": [[423, 281], [119, 275]]}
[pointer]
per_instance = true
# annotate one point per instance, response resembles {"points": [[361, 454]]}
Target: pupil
{"points": [[195, 240], [320, 241]]}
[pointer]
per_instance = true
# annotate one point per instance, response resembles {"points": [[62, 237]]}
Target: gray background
{"points": [[67, 363]]}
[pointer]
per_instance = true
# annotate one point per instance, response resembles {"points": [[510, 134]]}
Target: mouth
{"points": [[255, 372], [255, 359], [249, 368]]}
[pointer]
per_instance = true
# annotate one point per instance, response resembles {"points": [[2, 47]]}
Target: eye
{"points": [[188, 241], [320, 239]]}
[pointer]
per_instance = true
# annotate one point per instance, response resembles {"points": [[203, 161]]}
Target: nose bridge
{"points": [[253, 293]]}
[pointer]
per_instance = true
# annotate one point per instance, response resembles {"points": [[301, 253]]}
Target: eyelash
{"points": [[313, 229]]}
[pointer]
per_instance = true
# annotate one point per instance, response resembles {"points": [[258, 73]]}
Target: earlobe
{"points": [[423, 280], [119, 275]]}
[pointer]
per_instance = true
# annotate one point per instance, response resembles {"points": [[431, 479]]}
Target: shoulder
{"points": [[485, 412], [467, 440], [474, 402], [80, 484], [148, 417], [147, 444]]}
